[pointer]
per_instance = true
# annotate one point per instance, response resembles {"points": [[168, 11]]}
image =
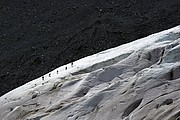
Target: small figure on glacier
{"points": [[65, 68], [71, 64], [49, 74], [42, 77], [57, 71]]}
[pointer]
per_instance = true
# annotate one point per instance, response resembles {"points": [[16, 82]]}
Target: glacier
{"points": [[139, 80]]}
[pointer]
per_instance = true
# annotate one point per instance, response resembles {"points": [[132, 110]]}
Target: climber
{"points": [[42, 77], [71, 64], [65, 68], [57, 71], [49, 74]]}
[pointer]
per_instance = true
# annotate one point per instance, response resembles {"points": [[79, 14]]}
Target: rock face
{"points": [[136, 81]]}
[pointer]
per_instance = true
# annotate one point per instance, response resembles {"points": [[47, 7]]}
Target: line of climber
{"points": [[58, 71]]}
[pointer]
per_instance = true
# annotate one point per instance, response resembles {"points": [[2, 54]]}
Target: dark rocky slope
{"points": [[38, 36]]}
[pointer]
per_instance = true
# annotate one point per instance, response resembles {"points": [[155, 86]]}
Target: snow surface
{"points": [[93, 85]]}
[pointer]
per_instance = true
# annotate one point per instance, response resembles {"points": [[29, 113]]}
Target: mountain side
{"points": [[39, 36], [139, 80]]}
